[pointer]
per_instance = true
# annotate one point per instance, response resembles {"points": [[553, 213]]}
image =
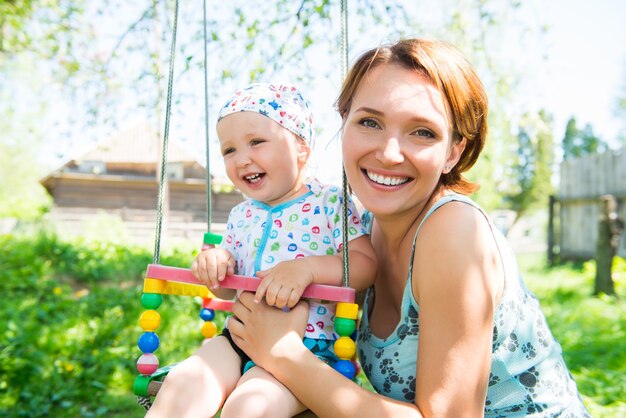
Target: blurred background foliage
{"points": [[70, 311]]}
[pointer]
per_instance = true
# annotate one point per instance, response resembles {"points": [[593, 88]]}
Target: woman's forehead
{"points": [[388, 88]]}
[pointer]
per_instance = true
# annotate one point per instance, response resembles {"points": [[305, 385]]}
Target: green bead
{"points": [[344, 326], [212, 239], [140, 386], [151, 300]]}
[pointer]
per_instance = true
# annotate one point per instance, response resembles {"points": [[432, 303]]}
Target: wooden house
{"points": [[119, 178]]}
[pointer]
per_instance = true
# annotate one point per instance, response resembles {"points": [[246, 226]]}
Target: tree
{"points": [[578, 142], [107, 61], [532, 169]]}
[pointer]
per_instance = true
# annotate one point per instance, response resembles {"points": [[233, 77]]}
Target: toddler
{"points": [[287, 233]]}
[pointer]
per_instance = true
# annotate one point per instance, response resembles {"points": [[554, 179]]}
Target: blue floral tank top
{"points": [[528, 375]]}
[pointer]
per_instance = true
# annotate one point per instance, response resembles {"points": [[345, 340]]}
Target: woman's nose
{"points": [[390, 153]]}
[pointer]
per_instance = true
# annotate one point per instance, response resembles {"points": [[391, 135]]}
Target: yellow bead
{"points": [[345, 348], [150, 320], [347, 310], [209, 329], [153, 285]]}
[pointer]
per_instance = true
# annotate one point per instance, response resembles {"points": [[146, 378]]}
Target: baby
{"points": [[287, 233]]}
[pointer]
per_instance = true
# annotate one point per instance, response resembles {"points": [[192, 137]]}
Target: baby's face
{"points": [[263, 160]]}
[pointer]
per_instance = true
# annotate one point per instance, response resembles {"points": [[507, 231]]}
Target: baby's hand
{"points": [[284, 284], [212, 265]]}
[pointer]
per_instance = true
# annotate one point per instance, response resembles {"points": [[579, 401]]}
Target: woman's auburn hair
{"points": [[445, 66]]}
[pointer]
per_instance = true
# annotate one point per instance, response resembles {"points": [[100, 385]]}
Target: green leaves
{"points": [[69, 326]]}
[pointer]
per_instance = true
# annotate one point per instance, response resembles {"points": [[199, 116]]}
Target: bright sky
{"points": [[586, 66]]}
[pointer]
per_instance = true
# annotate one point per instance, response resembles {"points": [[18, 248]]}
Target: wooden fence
{"points": [[575, 211]]}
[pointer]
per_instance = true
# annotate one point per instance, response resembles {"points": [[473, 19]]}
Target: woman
{"points": [[414, 119]]}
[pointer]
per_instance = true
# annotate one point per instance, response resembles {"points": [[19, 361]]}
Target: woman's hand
{"points": [[266, 333]]}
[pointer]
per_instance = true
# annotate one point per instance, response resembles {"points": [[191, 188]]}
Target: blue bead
{"points": [[207, 314], [148, 342], [346, 368]]}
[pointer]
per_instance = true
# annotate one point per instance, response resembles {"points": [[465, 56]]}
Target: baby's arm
{"points": [[211, 266], [284, 284]]}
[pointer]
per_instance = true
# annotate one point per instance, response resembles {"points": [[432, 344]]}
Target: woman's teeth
{"points": [[385, 180]]}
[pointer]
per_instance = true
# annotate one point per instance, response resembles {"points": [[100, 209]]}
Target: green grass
{"points": [[69, 327], [591, 330]]}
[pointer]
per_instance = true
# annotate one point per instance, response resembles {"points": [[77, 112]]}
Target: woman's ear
{"points": [[456, 150]]}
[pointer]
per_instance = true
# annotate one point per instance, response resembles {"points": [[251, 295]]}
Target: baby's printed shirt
{"points": [[260, 236]]}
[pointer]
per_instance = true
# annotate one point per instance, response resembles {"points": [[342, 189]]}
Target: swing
{"points": [[165, 280]]}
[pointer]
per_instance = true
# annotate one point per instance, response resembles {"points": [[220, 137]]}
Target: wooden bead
{"points": [[347, 310], [345, 348], [346, 368], [209, 329], [345, 327], [150, 320], [147, 364]]}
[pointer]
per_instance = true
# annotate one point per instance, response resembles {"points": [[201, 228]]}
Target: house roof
{"points": [[136, 144]]}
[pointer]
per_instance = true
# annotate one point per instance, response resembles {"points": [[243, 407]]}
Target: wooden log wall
{"points": [[583, 182]]}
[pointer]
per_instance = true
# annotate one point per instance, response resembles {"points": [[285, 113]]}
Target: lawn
{"points": [[69, 327]]}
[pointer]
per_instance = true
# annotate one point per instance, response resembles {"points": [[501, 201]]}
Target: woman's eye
{"points": [[425, 133], [369, 123]]}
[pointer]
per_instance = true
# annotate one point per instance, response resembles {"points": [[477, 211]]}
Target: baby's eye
{"points": [[227, 151], [256, 141], [369, 123], [424, 132]]}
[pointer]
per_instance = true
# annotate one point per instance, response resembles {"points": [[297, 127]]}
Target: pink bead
{"points": [[147, 364]]}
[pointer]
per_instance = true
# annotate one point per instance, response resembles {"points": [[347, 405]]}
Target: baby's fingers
{"points": [[200, 270], [294, 298], [221, 269], [230, 269], [262, 289]]}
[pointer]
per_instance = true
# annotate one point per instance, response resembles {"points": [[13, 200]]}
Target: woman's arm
{"points": [[273, 339], [457, 277]]}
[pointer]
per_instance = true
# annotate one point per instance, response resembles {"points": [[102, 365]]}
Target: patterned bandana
{"points": [[282, 103]]}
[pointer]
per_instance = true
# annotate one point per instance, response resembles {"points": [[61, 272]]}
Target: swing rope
{"points": [[206, 122], [344, 179], [166, 133]]}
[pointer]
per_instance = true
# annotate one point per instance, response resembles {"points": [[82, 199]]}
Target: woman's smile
{"points": [[385, 180]]}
